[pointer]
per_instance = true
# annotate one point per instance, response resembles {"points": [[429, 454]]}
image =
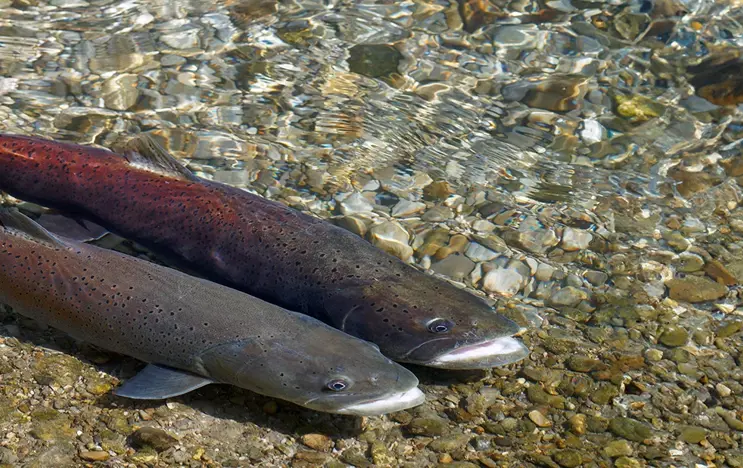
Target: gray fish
{"points": [[192, 332]]}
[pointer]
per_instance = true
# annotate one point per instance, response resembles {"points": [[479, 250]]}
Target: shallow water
{"points": [[577, 162]]}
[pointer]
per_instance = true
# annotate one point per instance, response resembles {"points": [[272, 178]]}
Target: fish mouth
{"points": [[387, 404], [483, 355]]}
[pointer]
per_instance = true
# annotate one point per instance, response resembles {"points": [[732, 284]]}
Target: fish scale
{"points": [[261, 247], [178, 323]]}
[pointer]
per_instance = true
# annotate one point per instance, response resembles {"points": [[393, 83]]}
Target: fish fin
{"points": [[144, 152], [11, 218], [156, 382], [77, 229]]}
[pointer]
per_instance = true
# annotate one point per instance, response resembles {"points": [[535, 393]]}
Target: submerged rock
{"points": [[695, 289], [152, 437]]}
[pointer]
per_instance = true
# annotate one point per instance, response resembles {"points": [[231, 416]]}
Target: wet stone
{"points": [[689, 262], [729, 328], [317, 442], [151, 437], [567, 297], [618, 448], [532, 236], [405, 208], [503, 281], [392, 238], [674, 336], [539, 419], [577, 423], [695, 289], [428, 426], [575, 239], [94, 455], [478, 253], [355, 203], [583, 364], [374, 60], [627, 462], [437, 214], [380, 454], [456, 266], [568, 458], [692, 434], [449, 443], [630, 429]]}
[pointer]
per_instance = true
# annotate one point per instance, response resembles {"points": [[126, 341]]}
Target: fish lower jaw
{"points": [[388, 404], [484, 355]]}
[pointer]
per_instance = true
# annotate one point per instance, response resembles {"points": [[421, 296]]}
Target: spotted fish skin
{"points": [[167, 318], [256, 245]]}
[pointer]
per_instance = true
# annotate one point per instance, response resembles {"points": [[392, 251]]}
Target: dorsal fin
{"points": [[144, 152], [14, 220]]}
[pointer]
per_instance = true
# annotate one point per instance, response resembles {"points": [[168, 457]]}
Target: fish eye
{"points": [[440, 325], [337, 385]]}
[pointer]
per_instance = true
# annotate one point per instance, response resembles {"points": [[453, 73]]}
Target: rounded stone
{"points": [[503, 281], [674, 336], [568, 458], [618, 448], [630, 429], [430, 427], [152, 437], [695, 289], [539, 419], [392, 238], [568, 296], [318, 442], [692, 434], [575, 239]]}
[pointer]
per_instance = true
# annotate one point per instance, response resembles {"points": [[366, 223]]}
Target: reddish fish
{"points": [[263, 248]]}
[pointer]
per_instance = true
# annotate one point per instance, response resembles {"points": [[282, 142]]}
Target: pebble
{"points": [[438, 214], [575, 239], [152, 437], [544, 272], [568, 458], [719, 273], [723, 390], [318, 442], [187, 39], [478, 253], [627, 462], [450, 443], [692, 434], [483, 225], [503, 281], [355, 203], [568, 296], [428, 426], [392, 238], [97, 455], [539, 419], [674, 336], [618, 448], [695, 289], [630, 429], [532, 236], [577, 423], [353, 224], [405, 208], [689, 262], [456, 267]]}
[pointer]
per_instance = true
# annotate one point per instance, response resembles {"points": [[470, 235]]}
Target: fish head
{"points": [[321, 369], [419, 319]]}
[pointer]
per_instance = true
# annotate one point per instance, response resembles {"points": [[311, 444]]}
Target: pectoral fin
{"points": [[72, 228], [156, 382]]}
